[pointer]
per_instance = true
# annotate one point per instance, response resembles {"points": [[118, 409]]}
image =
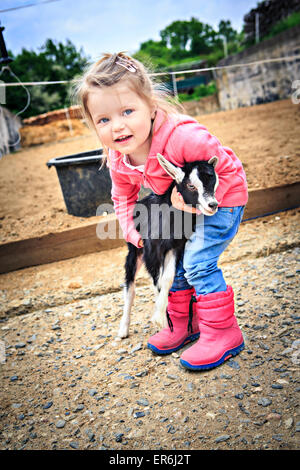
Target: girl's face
{"points": [[122, 119]]}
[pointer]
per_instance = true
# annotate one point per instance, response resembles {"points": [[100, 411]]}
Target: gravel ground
{"points": [[67, 383]]}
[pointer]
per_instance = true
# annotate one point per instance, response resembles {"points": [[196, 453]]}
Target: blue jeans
{"points": [[198, 266]]}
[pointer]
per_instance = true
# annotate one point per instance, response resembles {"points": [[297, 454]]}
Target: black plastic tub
{"points": [[83, 185]]}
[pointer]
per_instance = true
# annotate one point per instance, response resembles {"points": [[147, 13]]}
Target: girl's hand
{"points": [[178, 203], [140, 244]]}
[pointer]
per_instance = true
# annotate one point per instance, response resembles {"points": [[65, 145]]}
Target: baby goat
{"points": [[165, 231]]}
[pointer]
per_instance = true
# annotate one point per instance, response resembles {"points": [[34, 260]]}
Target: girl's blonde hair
{"points": [[113, 68]]}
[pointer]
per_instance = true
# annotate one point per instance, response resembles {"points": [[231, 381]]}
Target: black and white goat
{"points": [[165, 231]]}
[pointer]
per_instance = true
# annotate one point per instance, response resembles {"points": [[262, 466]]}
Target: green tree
{"points": [[225, 29], [54, 62], [176, 35], [188, 39], [203, 37]]}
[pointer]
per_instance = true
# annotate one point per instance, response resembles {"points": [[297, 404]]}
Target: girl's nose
{"points": [[117, 124]]}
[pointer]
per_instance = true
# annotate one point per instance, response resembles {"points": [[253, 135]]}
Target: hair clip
{"points": [[126, 64]]}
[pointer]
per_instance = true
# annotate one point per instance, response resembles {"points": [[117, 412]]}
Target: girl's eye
{"points": [[103, 120], [127, 112]]}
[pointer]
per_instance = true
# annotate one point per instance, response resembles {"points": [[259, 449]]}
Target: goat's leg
{"points": [[164, 284], [132, 266]]}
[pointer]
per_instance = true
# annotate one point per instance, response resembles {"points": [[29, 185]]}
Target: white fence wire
{"points": [[180, 72]]}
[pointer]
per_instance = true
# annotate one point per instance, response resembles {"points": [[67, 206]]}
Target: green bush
{"points": [[199, 92], [288, 22]]}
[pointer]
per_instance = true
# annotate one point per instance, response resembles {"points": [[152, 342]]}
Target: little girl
{"points": [[134, 121]]}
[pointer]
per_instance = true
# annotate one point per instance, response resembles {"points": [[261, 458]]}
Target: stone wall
{"points": [[206, 105], [261, 83]]}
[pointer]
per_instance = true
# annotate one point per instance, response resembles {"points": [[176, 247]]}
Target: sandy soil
{"points": [[265, 137]]}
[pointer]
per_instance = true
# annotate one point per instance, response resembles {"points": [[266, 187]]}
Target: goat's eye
{"points": [[191, 187]]}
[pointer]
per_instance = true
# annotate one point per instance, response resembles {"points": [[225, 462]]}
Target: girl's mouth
{"points": [[123, 139]]}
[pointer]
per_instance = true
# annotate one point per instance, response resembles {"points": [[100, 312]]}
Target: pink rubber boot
{"points": [[183, 325], [220, 335]]}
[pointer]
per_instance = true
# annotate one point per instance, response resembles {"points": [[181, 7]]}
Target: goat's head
{"points": [[196, 181]]}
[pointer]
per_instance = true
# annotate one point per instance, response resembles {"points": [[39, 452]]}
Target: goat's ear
{"points": [[213, 161], [174, 171]]}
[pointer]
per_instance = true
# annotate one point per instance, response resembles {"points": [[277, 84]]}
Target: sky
{"points": [[108, 26]]}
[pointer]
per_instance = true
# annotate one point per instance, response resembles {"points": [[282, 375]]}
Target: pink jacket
{"points": [[180, 139]]}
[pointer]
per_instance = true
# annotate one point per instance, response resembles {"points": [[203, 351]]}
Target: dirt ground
{"points": [[265, 138], [67, 382]]}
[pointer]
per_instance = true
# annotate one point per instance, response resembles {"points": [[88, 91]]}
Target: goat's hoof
{"points": [[123, 333], [120, 337]]}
